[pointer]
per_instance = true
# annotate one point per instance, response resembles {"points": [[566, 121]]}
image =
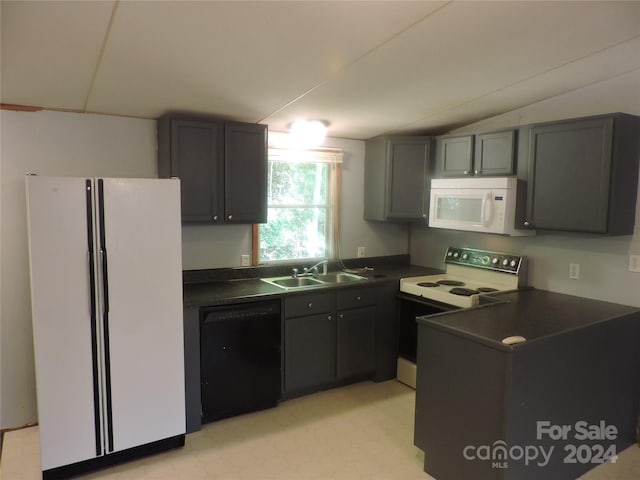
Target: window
{"points": [[301, 186]]}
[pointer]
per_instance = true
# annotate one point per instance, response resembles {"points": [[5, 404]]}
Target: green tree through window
{"points": [[300, 208]]}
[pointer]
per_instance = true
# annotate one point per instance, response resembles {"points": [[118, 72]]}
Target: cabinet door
{"points": [[386, 331], [356, 342], [245, 173], [494, 153], [407, 177], [196, 150], [310, 351], [569, 174], [454, 156]]}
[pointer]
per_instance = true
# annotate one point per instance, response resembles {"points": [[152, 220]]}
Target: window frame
{"points": [[333, 158]]}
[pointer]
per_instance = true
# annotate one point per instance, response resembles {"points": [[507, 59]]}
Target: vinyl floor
{"points": [[359, 432]]}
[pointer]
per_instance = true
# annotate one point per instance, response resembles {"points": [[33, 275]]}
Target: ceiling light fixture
{"points": [[307, 133]]}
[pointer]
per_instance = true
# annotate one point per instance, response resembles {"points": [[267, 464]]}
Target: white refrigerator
{"points": [[106, 296]]}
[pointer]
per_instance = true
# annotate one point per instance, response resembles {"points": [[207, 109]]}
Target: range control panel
{"points": [[503, 262]]}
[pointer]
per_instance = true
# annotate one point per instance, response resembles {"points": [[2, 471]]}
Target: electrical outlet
{"points": [[574, 271], [362, 251], [634, 263], [244, 260]]}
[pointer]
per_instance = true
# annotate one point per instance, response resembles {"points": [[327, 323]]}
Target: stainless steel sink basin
{"points": [[340, 277], [290, 282]]}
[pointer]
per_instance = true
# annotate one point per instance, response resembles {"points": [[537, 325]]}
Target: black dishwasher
{"points": [[239, 358]]}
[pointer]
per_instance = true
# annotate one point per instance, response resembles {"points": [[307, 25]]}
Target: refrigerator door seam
{"points": [[105, 315], [93, 313]]}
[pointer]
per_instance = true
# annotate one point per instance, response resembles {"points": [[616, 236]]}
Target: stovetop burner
{"points": [[487, 289], [465, 292], [428, 284], [451, 283]]}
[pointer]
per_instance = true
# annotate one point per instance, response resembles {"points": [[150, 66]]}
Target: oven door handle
{"points": [[487, 210]]}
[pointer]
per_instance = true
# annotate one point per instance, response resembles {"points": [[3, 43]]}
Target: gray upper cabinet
{"points": [[222, 167], [245, 166], [495, 153], [454, 156], [396, 178], [582, 174], [485, 154]]}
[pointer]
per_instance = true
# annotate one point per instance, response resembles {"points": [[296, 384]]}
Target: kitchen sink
{"points": [[339, 277], [297, 282], [290, 282]]}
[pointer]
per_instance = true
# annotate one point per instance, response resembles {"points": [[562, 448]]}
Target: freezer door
{"points": [[61, 312], [142, 239]]}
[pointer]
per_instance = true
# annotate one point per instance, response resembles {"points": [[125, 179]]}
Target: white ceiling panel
{"points": [[463, 52], [367, 67], [238, 59], [610, 63], [50, 51]]}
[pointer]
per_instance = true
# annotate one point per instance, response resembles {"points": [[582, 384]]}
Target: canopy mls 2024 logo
{"points": [[500, 454]]}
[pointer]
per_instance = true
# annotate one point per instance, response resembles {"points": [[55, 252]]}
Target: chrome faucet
{"points": [[311, 271], [314, 269]]}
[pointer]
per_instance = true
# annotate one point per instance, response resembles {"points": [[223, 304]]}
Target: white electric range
{"points": [[470, 274]]}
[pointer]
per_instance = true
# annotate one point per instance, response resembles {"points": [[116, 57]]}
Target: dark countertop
{"points": [[209, 293], [531, 313]]}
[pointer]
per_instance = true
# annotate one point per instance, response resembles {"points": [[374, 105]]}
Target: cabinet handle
{"points": [[342, 315], [230, 217], [329, 318], [466, 172], [477, 172], [358, 298], [527, 223], [215, 218], [424, 215], [310, 305]]}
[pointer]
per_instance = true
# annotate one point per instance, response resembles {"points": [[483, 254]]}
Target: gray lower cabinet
{"points": [[470, 395], [386, 331], [222, 167], [356, 332], [310, 351], [582, 174], [329, 337], [397, 178], [309, 341], [484, 154]]}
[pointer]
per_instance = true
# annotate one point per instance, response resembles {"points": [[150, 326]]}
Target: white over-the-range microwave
{"points": [[478, 204]]}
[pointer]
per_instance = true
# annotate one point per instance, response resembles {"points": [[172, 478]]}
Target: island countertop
{"points": [[531, 313]]}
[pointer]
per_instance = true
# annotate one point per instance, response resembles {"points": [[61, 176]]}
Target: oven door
{"points": [[463, 209], [410, 307]]}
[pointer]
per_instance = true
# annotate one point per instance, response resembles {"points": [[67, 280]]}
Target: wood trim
{"points": [[255, 243], [35, 108], [336, 211], [19, 108]]}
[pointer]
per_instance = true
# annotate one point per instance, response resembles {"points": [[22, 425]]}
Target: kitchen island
{"points": [[553, 406]]}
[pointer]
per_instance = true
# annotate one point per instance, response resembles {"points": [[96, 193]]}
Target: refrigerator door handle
{"points": [[105, 316], [93, 317]]}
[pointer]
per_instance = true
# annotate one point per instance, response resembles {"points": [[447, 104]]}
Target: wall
{"points": [[56, 143], [604, 272]]}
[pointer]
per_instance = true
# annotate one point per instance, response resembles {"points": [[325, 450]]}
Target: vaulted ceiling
{"points": [[367, 68]]}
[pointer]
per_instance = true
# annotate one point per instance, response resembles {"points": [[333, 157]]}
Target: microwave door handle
{"points": [[487, 209]]}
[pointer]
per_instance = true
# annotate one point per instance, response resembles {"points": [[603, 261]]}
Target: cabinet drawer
{"points": [[313, 304], [356, 297]]}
